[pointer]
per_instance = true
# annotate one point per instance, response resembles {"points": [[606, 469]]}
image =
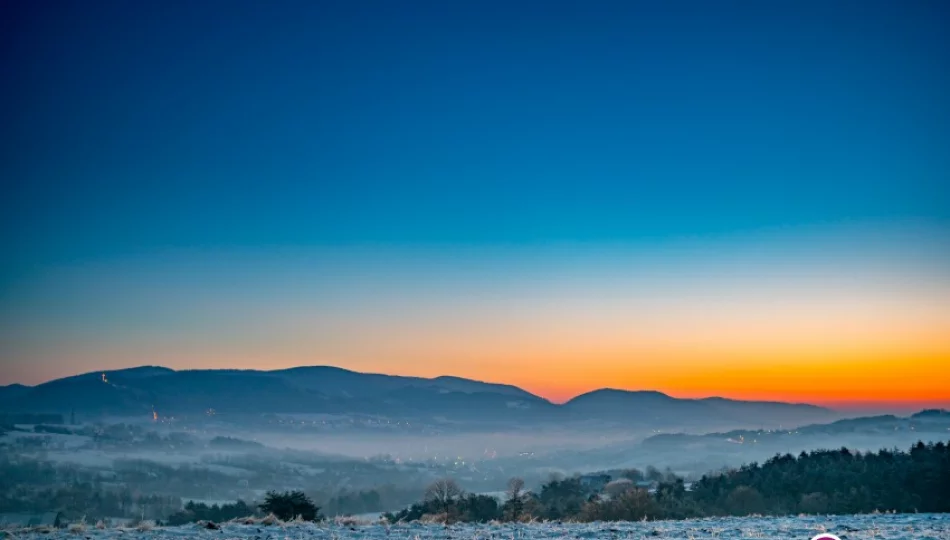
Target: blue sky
{"points": [[138, 131], [135, 126]]}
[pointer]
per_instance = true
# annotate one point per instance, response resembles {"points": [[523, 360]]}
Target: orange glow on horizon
{"points": [[854, 352], [796, 326], [844, 381]]}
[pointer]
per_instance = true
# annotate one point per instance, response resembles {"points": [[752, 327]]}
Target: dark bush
{"points": [[289, 505]]}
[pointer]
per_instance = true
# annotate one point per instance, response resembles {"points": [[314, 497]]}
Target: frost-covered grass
{"points": [[865, 527]]}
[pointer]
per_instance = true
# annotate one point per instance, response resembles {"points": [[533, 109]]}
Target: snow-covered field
{"points": [[879, 527]]}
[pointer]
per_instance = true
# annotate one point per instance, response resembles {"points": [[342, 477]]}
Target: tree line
{"points": [[285, 506], [818, 482]]}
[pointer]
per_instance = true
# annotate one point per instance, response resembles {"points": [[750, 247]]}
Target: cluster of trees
{"points": [[445, 501], [834, 482], [286, 506], [34, 485], [819, 482], [559, 499], [193, 512], [83, 499]]}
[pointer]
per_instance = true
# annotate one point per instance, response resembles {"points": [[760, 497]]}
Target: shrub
{"points": [[289, 505]]}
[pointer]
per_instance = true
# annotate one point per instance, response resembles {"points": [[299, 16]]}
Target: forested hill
{"points": [[820, 482], [834, 482]]}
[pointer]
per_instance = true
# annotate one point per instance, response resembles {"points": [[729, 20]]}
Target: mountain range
{"points": [[332, 390]]}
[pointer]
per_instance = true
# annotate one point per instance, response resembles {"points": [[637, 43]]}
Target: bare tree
{"points": [[443, 492], [515, 487], [514, 506]]}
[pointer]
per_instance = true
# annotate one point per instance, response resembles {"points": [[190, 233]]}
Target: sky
{"points": [[744, 199]]}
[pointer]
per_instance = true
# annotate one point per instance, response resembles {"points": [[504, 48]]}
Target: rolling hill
{"points": [[333, 390], [652, 408]]}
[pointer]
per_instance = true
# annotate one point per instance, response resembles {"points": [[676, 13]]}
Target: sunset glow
{"points": [[639, 200], [769, 317]]}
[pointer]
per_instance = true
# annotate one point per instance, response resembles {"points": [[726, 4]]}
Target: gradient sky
{"points": [[748, 199]]}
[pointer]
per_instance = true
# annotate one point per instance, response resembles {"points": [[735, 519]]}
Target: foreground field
{"points": [[878, 527]]}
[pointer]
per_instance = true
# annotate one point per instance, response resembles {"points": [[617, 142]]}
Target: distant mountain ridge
{"points": [[334, 390], [661, 409], [925, 421]]}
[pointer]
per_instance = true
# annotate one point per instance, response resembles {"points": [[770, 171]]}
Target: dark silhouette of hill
{"points": [[932, 421], [317, 389], [657, 408], [333, 390], [12, 391]]}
